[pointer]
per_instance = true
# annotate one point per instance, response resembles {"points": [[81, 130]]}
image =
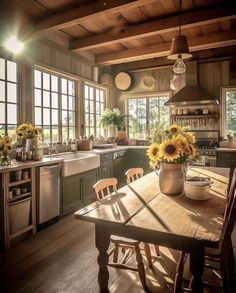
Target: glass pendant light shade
{"points": [[175, 82], [179, 66]]}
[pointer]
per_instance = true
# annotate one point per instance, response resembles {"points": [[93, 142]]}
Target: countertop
{"points": [[53, 160], [28, 164], [229, 150]]}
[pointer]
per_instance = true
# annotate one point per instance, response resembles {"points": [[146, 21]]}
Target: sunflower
{"points": [[190, 137], [174, 129], [7, 147], [153, 152], [170, 150], [192, 151]]}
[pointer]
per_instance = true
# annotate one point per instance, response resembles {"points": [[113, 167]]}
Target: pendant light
{"points": [[179, 49]]}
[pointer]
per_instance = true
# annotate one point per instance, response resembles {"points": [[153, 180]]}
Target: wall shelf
{"points": [[193, 116]]}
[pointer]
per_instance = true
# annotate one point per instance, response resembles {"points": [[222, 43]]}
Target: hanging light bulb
{"points": [[179, 66]]}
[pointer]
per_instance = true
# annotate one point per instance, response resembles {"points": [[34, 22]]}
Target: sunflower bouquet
{"points": [[5, 145], [174, 145], [27, 130]]}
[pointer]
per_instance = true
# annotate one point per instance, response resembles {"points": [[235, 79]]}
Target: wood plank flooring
{"points": [[63, 258]]}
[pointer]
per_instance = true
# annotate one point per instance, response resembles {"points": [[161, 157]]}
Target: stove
{"points": [[206, 143]]}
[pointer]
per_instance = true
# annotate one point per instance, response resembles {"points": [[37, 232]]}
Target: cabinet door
{"points": [[71, 194], [138, 158], [88, 179]]}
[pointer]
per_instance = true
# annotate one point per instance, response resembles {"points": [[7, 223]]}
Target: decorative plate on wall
{"points": [[106, 79], [123, 81]]}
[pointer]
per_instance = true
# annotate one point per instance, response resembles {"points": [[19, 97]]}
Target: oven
{"points": [[206, 144]]}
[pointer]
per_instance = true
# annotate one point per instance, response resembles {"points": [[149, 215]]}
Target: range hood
{"points": [[192, 93]]}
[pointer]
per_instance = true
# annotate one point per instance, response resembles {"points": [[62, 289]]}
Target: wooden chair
{"points": [[131, 175], [223, 255], [128, 246]]}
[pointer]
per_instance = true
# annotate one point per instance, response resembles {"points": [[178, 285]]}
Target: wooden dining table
{"points": [[140, 211]]}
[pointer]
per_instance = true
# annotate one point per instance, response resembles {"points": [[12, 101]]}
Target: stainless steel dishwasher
{"points": [[48, 195]]}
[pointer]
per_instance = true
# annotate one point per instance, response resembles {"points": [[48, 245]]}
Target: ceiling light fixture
{"points": [[179, 49], [14, 45]]}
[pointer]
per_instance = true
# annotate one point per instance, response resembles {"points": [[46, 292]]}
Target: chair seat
{"points": [[122, 240]]}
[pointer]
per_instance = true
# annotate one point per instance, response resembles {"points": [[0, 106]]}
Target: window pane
{"points": [[91, 110], [231, 111], [37, 114], [11, 92], [46, 134], [91, 91], [2, 90], [46, 81], [46, 99], [11, 114], [87, 119], [86, 106], [71, 118], [64, 86], [71, 103], [37, 98], [54, 117], [37, 79], [2, 113], [64, 133], [64, 102], [71, 85], [55, 132], [137, 119], [72, 132], [54, 100], [54, 80], [46, 116], [2, 68], [11, 71], [64, 118]]}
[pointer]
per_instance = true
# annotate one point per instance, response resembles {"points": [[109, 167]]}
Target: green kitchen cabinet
{"points": [[87, 180], [71, 192], [138, 158], [106, 166], [77, 190], [226, 159]]}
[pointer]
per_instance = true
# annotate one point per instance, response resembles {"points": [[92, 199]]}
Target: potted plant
{"points": [[29, 134], [112, 120]]}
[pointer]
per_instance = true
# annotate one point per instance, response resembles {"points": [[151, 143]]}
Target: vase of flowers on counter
{"points": [[29, 135], [169, 154], [5, 150]]}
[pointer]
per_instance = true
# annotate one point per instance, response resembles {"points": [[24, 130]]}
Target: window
{"points": [[54, 106], [94, 106], [228, 111], [145, 113], [8, 97]]}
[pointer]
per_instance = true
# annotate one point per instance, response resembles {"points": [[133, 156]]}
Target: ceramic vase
{"points": [[171, 178]]}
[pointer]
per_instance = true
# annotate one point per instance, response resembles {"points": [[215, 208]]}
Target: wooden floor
{"points": [[62, 258]]}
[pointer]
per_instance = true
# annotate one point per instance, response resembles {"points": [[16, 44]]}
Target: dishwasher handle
{"points": [[51, 167]]}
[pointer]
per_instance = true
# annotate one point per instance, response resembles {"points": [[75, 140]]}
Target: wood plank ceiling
{"points": [[120, 31]]}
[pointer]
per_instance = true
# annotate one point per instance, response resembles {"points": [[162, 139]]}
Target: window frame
{"points": [[148, 96], [60, 76], [223, 90], [95, 87], [17, 83]]}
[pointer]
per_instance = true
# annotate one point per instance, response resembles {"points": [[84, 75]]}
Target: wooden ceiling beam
{"points": [[82, 13], [154, 63], [205, 42], [160, 26]]}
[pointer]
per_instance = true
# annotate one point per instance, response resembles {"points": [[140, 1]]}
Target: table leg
{"points": [[197, 268], [102, 244]]}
